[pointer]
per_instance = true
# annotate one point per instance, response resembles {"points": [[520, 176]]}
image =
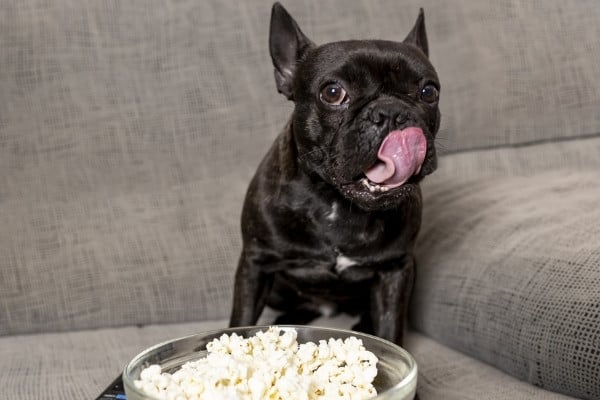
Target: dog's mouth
{"points": [[399, 157], [373, 187], [399, 160]]}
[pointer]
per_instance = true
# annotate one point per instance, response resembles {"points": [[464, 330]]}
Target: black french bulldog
{"points": [[331, 216]]}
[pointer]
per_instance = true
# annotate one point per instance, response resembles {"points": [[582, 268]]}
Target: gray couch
{"points": [[129, 131]]}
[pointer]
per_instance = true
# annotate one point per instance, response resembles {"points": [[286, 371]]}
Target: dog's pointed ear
{"points": [[418, 36], [287, 44]]}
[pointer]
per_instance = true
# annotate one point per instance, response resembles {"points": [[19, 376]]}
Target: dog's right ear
{"points": [[418, 35], [287, 44]]}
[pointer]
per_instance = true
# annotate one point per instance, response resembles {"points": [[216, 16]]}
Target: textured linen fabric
{"points": [[79, 365], [447, 374], [509, 273], [528, 160], [128, 133]]}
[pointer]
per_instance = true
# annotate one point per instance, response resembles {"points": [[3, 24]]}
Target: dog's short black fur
{"points": [[317, 232]]}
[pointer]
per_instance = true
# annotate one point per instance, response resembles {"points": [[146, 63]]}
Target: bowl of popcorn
{"points": [[273, 363]]}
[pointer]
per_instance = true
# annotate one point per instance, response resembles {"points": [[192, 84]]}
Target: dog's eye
{"points": [[430, 94], [334, 95]]}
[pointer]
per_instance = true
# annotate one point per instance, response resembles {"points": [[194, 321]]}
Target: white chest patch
{"points": [[342, 262], [333, 214]]}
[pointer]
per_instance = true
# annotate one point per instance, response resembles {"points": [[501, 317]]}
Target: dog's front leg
{"points": [[250, 293], [390, 295]]}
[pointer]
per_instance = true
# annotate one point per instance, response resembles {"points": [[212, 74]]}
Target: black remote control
{"points": [[114, 391]]}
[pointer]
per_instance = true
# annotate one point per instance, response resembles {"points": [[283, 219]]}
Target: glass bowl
{"points": [[396, 377]]}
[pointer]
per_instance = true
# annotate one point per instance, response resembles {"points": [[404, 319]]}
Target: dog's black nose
{"points": [[388, 114]]}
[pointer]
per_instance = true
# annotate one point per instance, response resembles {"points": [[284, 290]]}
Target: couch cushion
{"points": [[117, 258], [79, 365], [509, 270], [449, 375], [128, 134]]}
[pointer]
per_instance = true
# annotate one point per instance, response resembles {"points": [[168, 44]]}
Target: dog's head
{"points": [[366, 112]]}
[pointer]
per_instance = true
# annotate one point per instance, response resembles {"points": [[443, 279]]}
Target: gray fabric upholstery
{"points": [[529, 160], [447, 374], [79, 365], [130, 129], [509, 272]]}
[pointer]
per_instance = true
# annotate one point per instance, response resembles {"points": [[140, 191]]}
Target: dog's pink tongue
{"points": [[401, 155]]}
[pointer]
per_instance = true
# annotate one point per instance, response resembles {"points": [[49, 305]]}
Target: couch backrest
{"points": [[129, 131]]}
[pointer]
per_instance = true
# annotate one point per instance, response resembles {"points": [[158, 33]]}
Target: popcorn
{"points": [[269, 366]]}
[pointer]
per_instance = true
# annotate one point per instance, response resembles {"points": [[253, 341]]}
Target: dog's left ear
{"points": [[418, 36], [287, 44]]}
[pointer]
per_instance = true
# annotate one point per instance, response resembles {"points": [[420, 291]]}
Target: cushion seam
{"points": [[522, 144]]}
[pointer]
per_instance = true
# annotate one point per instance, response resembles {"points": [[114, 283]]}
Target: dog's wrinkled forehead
{"points": [[363, 64]]}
